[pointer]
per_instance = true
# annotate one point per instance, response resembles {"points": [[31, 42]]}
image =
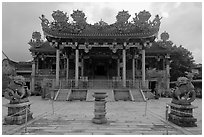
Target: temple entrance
{"points": [[100, 70], [152, 86]]}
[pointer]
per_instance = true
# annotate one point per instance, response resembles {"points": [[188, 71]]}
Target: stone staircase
{"points": [[62, 95], [137, 95]]}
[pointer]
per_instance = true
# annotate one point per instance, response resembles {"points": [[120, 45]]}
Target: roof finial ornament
{"points": [[79, 21], [78, 16], [164, 36], [101, 23], [44, 22], [156, 22], [123, 17], [142, 19], [36, 36], [141, 27], [59, 16], [36, 40], [144, 16], [164, 42]]}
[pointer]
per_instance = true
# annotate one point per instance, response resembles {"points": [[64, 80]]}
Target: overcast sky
{"points": [[183, 22]]}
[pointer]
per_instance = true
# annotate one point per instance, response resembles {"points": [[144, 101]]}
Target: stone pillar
{"points": [[118, 67], [168, 74], [82, 67], [67, 74], [33, 76], [57, 67], [133, 70], [18, 114], [124, 65], [37, 64], [163, 64], [143, 67], [136, 65], [76, 65]]}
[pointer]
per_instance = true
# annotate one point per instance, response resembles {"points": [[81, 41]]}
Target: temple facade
{"points": [[122, 55]]}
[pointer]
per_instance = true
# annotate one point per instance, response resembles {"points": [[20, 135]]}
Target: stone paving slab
{"points": [[124, 118], [85, 127]]}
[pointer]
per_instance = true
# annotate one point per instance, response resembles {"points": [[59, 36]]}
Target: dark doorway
{"points": [[100, 67], [100, 70], [28, 85], [152, 86]]}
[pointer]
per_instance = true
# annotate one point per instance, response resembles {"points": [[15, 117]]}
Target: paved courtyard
{"points": [[124, 117]]}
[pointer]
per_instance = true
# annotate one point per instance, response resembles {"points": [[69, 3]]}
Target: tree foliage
{"points": [[181, 61]]}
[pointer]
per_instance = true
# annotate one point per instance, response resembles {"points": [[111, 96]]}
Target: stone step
{"points": [[63, 94], [137, 95]]}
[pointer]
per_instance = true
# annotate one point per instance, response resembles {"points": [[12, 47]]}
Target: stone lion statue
{"points": [[184, 92], [17, 92]]}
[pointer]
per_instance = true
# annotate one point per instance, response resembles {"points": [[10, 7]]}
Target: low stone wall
{"points": [[122, 94], [78, 94]]}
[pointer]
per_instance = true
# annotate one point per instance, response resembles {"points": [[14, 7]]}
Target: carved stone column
{"points": [[82, 67], [133, 70], [57, 67], [124, 65], [143, 67], [37, 64], [168, 71], [76, 65], [67, 72], [33, 76], [118, 67]]}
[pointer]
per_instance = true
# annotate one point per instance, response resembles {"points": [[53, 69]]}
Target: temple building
{"points": [[122, 55]]}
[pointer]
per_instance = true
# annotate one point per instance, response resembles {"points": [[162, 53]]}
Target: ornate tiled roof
{"points": [[10, 65], [38, 45], [139, 27], [43, 47], [161, 46], [156, 48]]}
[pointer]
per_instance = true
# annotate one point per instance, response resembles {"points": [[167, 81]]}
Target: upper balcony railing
{"points": [[94, 84], [46, 72], [100, 84], [156, 74]]}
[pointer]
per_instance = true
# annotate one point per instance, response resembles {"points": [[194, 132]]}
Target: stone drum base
{"points": [[99, 121], [17, 114], [182, 115], [17, 120], [100, 114]]}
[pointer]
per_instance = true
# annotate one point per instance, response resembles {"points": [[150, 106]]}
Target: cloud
{"points": [[197, 52], [184, 25], [106, 11], [19, 20]]}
